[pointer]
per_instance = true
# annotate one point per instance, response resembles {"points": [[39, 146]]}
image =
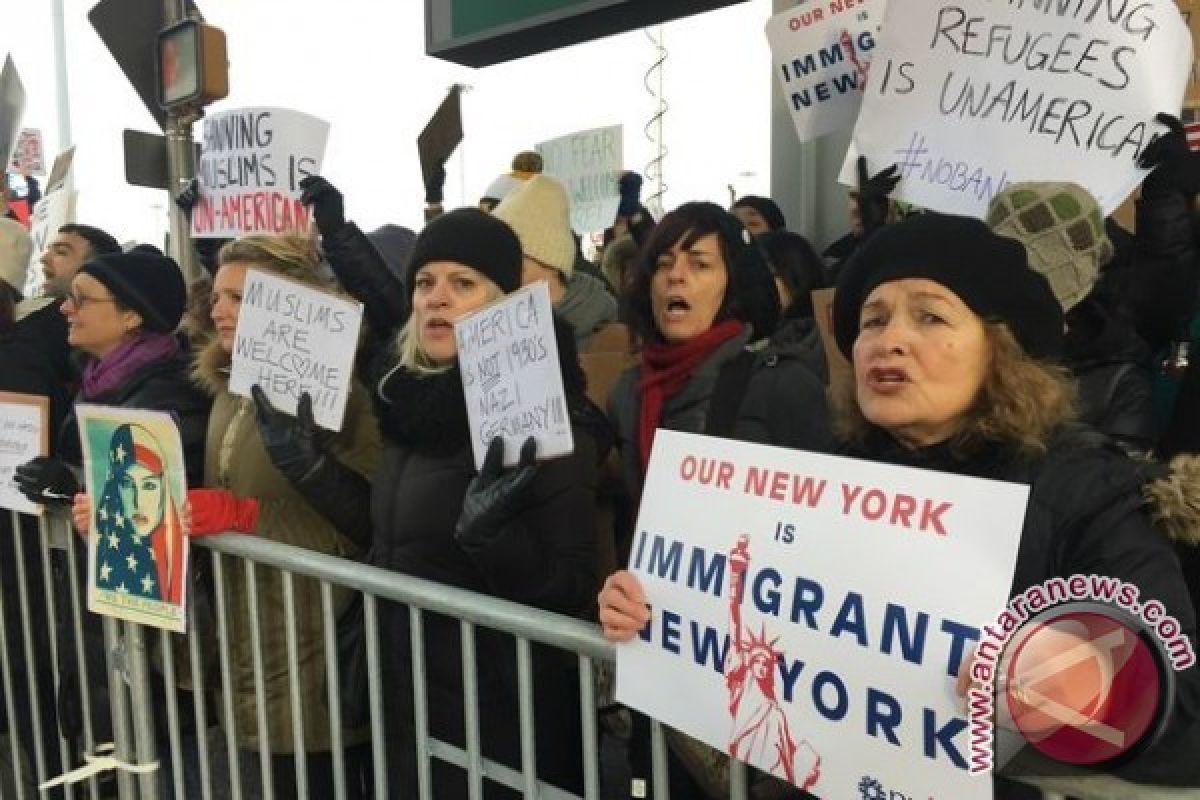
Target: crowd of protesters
{"points": [[1044, 346]]}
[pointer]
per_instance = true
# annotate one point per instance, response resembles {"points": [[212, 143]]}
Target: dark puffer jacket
{"points": [[544, 556], [1092, 510]]}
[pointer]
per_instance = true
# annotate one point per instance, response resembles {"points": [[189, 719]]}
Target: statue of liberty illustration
{"points": [[761, 734]]}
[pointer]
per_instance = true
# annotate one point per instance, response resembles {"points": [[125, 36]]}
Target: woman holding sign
{"points": [[952, 339], [279, 476], [523, 534]]}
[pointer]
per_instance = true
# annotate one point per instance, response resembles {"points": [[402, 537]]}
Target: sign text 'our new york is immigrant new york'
{"points": [[812, 611]]}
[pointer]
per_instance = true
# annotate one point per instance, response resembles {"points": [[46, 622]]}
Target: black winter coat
{"points": [[1087, 514]]}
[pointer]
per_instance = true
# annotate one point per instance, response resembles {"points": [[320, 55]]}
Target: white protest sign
{"points": [[508, 357], [589, 164], [24, 435], [293, 339], [29, 158], [822, 52], [862, 587], [966, 99], [251, 165], [51, 212]]}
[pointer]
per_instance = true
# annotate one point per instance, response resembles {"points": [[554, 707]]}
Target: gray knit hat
{"points": [[1062, 228]]}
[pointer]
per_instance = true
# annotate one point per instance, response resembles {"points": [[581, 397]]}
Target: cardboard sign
{"points": [[967, 99], [810, 612], [137, 483], [443, 134], [24, 435], [29, 158], [60, 170], [589, 164], [12, 108], [51, 212], [508, 358], [292, 339], [250, 170], [822, 52]]}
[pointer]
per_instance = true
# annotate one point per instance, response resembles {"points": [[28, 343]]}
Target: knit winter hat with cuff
{"points": [[989, 273], [539, 212], [1062, 228], [150, 284], [473, 238], [16, 249]]}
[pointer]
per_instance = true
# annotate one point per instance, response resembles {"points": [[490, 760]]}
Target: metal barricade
{"points": [[210, 763]]}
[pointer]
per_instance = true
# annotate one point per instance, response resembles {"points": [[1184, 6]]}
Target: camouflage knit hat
{"points": [[1062, 228]]}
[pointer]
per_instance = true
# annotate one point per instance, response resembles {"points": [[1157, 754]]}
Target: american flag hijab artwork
{"points": [[139, 535]]}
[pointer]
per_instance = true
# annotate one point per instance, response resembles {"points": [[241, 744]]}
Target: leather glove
{"points": [[873, 195], [187, 198], [296, 444], [493, 494], [47, 481], [1175, 167], [326, 202], [435, 183], [220, 511], [630, 187]]}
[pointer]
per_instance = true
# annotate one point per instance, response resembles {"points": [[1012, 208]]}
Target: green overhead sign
{"points": [[479, 33]]}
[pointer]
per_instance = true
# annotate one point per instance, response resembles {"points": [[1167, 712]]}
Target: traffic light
{"points": [[193, 69]]}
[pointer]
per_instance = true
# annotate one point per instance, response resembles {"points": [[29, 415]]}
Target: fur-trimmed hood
{"points": [[1173, 497]]}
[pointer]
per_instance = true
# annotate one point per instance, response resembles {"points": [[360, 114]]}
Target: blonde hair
{"points": [[408, 344], [1021, 403], [293, 256]]}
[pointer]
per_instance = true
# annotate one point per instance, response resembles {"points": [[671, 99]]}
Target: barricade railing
{"points": [[147, 727]]}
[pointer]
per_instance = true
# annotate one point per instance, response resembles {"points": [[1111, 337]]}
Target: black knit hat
{"points": [[152, 285], [767, 209], [471, 237], [989, 273]]}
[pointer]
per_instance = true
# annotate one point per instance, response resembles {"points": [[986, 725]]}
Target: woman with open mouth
{"points": [[524, 534], [701, 301]]}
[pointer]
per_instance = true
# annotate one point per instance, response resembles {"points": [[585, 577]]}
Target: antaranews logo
{"points": [[1080, 668]]}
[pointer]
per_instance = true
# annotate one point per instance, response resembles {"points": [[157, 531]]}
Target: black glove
{"points": [[326, 202], [47, 481], [493, 494], [435, 182], [186, 199], [1175, 167], [630, 187], [296, 445], [873, 195]]}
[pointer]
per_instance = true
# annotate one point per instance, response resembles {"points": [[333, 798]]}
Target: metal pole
{"points": [[181, 167], [60, 77]]}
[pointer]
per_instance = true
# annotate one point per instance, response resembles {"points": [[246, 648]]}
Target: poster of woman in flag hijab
{"points": [[137, 554]]}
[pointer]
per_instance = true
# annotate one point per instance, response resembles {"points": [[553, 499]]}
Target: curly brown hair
{"points": [[1021, 403]]}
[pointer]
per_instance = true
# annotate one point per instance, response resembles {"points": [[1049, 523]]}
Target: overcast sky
{"points": [[360, 64]]}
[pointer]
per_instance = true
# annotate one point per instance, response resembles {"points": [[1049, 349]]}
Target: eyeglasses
{"points": [[81, 300]]}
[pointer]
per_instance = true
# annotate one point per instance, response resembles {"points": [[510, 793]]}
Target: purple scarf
{"points": [[103, 375]]}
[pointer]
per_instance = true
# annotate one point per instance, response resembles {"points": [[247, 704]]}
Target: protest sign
{"points": [[444, 132], [29, 157], [508, 358], [51, 212], [589, 164], [137, 483], [24, 435], [966, 100], [12, 108], [1191, 15], [251, 165], [62, 166], [810, 612], [822, 52], [293, 339]]}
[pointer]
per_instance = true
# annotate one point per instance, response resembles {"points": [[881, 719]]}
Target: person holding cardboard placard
{"points": [[700, 294], [524, 534], [281, 477]]}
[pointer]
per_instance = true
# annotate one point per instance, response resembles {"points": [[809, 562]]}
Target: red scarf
{"points": [[666, 368]]}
